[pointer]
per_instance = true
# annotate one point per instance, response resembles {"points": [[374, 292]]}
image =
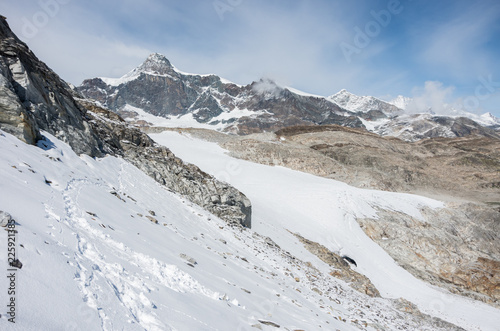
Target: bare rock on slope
{"points": [[34, 98], [160, 163], [341, 268], [455, 248]]}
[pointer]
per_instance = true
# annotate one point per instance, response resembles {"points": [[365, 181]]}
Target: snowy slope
{"points": [[324, 210], [219, 122], [92, 260]]}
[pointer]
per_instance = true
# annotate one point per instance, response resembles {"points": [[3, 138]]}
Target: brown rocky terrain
{"points": [[465, 168], [456, 247], [341, 268]]}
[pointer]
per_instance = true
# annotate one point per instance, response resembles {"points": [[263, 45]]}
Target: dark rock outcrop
{"points": [[34, 98]]}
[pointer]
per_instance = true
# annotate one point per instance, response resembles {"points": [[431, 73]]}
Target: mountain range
{"points": [[176, 98]]}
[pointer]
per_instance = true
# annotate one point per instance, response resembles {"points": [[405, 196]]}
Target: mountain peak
{"points": [[158, 58], [341, 93], [156, 63]]}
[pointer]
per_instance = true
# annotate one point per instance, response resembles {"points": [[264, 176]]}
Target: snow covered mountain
{"points": [[363, 104], [158, 88], [110, 230], [157, 94]]}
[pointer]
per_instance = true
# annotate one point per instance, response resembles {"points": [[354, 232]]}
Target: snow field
{"points": [[325, 211]]}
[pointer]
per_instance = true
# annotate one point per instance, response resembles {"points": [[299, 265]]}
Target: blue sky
{"points": [[439, 51]]}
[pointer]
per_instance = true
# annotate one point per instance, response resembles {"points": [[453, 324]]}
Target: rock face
{"points": [[456, 248], [34, 98]]}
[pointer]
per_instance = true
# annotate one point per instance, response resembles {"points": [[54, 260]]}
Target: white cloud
{"points": [[432, 97], [267, 87]]}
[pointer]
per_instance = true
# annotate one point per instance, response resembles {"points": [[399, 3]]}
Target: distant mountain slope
{"points": [[157, 88], [157, 94]]}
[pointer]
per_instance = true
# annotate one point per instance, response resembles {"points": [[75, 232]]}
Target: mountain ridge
{"points": [[209, 101]]}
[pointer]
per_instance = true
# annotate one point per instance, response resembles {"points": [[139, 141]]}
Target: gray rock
{"points": [[16, 264], [5, 218], [34, 98]]}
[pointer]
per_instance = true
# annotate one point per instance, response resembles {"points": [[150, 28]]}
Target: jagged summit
{"points": [[156, 63], [157, 57]]}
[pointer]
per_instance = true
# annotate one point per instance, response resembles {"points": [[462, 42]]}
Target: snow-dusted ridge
{"points": [[154, 62]]}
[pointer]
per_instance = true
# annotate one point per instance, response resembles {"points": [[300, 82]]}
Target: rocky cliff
{"points": [[33, 98]]}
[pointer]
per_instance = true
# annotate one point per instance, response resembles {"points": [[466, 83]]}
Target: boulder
{"points": [[5, 218]]}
